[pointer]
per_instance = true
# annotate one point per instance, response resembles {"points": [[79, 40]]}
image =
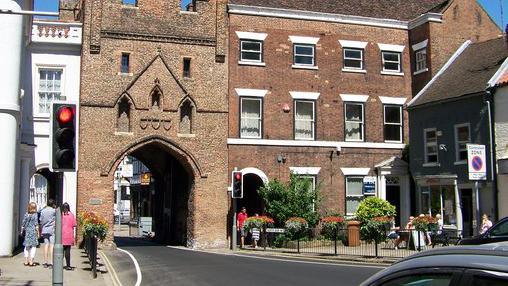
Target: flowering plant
{"points": [[424, 223], [93, 225], [257, 222], [330, 226], [296, 224], [375, 229]]}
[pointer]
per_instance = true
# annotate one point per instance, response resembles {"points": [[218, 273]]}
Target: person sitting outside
{"points": [[404, 236]]}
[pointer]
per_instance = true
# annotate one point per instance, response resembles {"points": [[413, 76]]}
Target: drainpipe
{"points": [[492, 155]]}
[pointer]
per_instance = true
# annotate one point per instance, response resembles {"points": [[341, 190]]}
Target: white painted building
{"points": [[499, 89], [50, 72]]}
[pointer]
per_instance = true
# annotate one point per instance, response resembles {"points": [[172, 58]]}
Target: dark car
{"points": [[498, 232], [448, 266]]}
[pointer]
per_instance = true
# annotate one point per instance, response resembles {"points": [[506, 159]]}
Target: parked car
{"points": [[498, 232], [448, 266]]}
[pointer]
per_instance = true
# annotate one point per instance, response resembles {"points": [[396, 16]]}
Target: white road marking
{"points": [[353, 264], [138, 270]]}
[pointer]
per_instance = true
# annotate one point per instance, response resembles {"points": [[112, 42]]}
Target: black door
{"points": [[466, 204], [393, 197]]}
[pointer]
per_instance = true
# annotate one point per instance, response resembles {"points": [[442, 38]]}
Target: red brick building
{"points": [[318, 88]]}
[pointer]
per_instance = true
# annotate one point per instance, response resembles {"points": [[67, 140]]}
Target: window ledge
{"points": [[431, 165], [185, 135], [351, 140], [130, 7], [305, 139], [421, 71], [392, 73], [125, 74], [460, 163], [353, 70], [304, 67], [391, 141], [244, 63]]}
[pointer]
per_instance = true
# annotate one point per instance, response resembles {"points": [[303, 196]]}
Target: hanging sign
{"points": [[145, 179]]}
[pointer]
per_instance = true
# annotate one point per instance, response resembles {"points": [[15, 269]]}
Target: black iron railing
{"points": [[91, 244], [396, 244]]}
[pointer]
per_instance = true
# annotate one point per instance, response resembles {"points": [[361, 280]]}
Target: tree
{"points": [[295, 198], [374, 207]]}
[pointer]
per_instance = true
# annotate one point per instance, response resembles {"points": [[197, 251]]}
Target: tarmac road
{"points": [[163, 265]]}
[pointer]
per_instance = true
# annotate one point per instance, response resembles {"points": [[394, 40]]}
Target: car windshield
{"points": [[500, 229]]}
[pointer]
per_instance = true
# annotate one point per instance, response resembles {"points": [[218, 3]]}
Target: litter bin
{"points": [[353, 233]]}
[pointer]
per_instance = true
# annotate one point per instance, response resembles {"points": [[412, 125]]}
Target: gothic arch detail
{"points": [[156, 96], [123, 117], [186, 117]]}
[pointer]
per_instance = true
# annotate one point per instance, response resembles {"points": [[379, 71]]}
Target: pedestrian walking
{"points": [[486, 224], [47, 224], [255, 235], [68, 225], [242, 216], [30, 231]]}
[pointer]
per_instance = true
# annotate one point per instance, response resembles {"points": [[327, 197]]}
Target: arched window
{"points": [[156, 99], [186, 118], [123, 117]]}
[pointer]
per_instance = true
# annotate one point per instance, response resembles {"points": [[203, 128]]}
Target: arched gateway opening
{"points": [[153, 189]]}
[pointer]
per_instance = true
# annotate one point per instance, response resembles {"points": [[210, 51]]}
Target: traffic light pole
{"points": [[234, 230], [58, 248]]}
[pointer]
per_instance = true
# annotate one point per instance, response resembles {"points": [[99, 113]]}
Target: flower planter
{"points": [[353, 231]]}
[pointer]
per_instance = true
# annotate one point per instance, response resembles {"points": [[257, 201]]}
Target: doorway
{"points": [[393, 196], [251, 198], [466, 204]]}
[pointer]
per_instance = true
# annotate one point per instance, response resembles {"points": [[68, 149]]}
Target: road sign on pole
{"points": [[476, 161]]}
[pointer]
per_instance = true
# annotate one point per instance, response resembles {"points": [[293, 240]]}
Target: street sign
{"points": [[127, 171], [275, 230], [369, 185], [476, 163], [145, 179]]}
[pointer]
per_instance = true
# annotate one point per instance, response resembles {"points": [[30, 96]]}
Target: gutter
{"points": [[492, 153]]}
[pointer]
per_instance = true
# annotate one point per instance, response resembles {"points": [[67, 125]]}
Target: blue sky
{"points": [[493, 7]]}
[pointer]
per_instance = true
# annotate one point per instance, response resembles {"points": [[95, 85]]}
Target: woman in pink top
{"points": [[68, 225]]}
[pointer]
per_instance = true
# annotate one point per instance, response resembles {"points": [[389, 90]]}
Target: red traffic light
{"points": [[65, 114], [238, 176]]}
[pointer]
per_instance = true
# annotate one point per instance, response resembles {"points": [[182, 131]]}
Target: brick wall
{"points": [[279, 78], [157, 36]]}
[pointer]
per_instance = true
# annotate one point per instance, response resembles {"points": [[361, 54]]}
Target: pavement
{"points": [[13, 272]]}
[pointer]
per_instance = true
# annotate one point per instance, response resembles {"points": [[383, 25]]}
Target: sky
{"points": [[493, 7]]}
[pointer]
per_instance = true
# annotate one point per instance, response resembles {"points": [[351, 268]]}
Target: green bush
{"points": [[374, 207], [293, 199]]}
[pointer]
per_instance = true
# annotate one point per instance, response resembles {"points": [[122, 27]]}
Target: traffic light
{"points": [[237, 178], [63, 137]]}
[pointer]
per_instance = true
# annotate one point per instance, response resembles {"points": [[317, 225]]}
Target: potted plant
{"points": [[331, 227], [259, 222], [375, 230], [296, 226], [92, 225]]}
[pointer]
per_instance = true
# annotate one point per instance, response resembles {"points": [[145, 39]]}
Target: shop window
{"points": [[439, 199]]}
